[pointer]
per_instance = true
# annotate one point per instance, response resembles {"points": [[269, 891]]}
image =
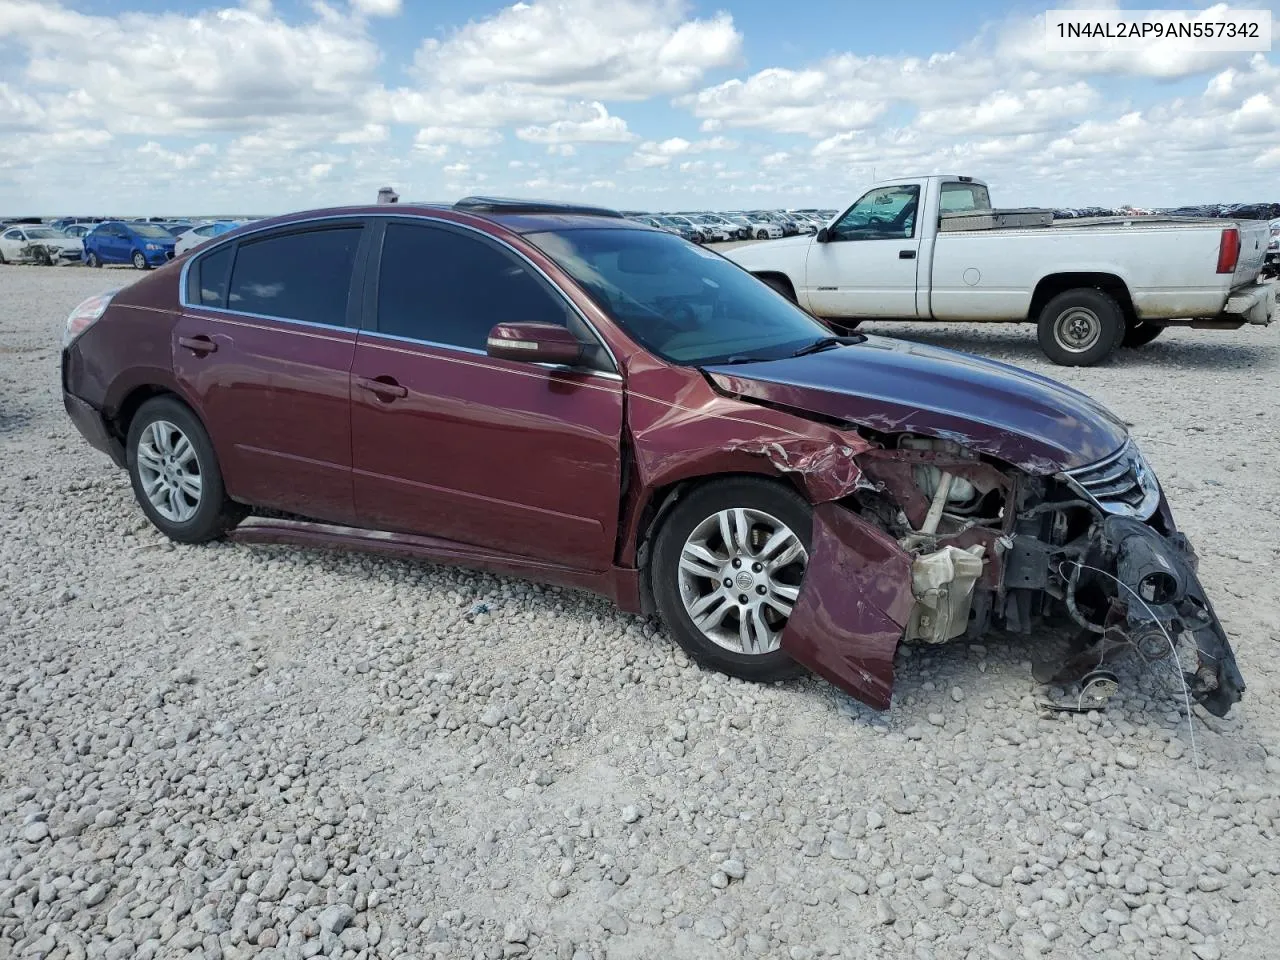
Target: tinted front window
{"points": [[679, 300], [209, 278], [300, 276], [450, 287]]}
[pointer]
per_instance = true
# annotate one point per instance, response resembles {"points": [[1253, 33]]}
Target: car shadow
{"points": [[1019, 346]]}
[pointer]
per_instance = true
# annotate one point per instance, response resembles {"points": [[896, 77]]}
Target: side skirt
{"points": [[619, 584]]}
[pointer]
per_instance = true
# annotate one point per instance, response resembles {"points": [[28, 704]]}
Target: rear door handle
{"points": [[384, 389], [906, 254], [198, 345]]}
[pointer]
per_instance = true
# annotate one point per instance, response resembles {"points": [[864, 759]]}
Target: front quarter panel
{"points": [[853, 606]]}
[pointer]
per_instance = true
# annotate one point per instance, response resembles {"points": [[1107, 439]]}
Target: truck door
{"points": [[867, 265]]}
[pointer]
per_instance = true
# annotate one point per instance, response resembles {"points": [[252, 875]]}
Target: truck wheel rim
{"points": [[740, 573], [1077, 330], [169, 471]]}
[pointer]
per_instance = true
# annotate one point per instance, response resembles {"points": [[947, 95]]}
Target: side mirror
{"points": [[534, 343], [822, 235]]}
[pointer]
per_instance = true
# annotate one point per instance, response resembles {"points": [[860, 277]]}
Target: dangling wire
{"points": [[1186, 691]]}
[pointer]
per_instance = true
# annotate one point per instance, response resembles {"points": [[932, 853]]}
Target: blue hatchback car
{"points": [[145, 245]]}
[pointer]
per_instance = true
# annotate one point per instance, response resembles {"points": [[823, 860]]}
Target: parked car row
{"points": [[95, 241], [704, 227]]}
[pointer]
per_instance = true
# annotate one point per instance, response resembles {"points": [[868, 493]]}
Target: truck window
{"points": [[885, 213], [962, 197]]}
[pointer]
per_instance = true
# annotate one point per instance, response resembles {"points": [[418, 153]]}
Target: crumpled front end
{"points": [[1132, 590], [938, 543]]}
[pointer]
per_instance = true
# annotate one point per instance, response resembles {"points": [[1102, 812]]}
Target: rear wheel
{"points": [[1080, 327], [175, 473], [1140, 333], [726, 571], [91, 259], [139, 260]]}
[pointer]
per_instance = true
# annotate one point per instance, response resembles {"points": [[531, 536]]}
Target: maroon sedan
{"points": [[560, 393]]}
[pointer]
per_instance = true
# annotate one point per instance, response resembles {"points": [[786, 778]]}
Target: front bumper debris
{"points": [[1152, 596], [1128, 588]]}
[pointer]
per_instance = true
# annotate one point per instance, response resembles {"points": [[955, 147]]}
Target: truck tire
{"points": [[1140, 333], [780, 284], [1080, 327]]}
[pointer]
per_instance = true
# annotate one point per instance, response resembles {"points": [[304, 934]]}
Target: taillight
{"points": [[1229, 250], [84, 316]]}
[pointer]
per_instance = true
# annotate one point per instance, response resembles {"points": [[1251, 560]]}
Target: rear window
{"points": [[209, 279], [298, 276], [151, 230], [964, 197]]}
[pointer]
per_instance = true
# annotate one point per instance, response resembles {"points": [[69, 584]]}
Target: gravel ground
{"points": [[230, 751]]}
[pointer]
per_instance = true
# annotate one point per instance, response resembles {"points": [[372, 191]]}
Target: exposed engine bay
{"points": [[1093, 550]]}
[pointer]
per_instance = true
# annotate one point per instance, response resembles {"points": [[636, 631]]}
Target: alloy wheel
{"points": [[1077, 330], [170, 471], [740, 573]]}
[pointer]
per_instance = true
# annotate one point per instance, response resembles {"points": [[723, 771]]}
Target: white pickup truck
{"points": [[932, 248]]}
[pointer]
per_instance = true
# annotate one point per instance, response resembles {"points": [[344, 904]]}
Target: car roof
{"points": [[513, 215]]}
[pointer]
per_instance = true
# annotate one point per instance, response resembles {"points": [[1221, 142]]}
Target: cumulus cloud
{"points": [[228, 69], [600, 128], [299, 101], [654, 153], [599, 49], [376, 8]]}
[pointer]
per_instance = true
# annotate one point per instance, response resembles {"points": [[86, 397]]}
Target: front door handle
{"points": [[386, 389], [200, 345], [906, 254]]}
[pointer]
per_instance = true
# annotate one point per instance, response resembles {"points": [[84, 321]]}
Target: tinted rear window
{"points": [[209, 279], [298, 276]]}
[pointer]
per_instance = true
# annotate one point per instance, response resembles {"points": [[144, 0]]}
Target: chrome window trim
{"points": [[212, 245], [472, 351], [266, 316]]}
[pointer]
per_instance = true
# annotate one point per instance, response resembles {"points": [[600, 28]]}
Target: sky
{"points": [[201, 107]]}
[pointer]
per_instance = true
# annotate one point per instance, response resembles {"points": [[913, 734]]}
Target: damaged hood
{"points": [[894, 386]]}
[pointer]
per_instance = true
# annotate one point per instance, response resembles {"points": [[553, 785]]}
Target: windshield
{"points": [[151, 230], [681, 301], [42, 233]]}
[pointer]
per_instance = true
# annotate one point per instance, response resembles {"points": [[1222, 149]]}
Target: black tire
{"points": [[215, 513], [140, 261], [1140, 334], [780, 284], [1082, 310], [703, 502], [762, 234], [91, 260]]}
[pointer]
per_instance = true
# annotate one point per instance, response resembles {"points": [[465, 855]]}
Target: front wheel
{"points": [[175, 473], [139, 260], [1080, 327], [726, 571], [91, 259]]}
